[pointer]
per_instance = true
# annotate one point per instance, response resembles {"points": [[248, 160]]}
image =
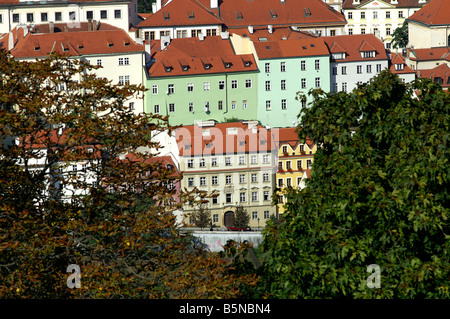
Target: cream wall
{"points": [[427, 37]]}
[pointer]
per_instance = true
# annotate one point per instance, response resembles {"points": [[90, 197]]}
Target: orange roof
{"points": [[189, 56], [348, 4], [289, 135], [439, 74], [354, 44], [278, 33], [442, 53], [242, 13], [223, 138], [181, 13], [33, 45], [435, 12], [291, 48], [24, 3], [399, 59]]}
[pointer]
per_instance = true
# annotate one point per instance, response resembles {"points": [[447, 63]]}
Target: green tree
{"points": [[378, 194], [145, 6], [201, 216], [241, 217], [121, 229], [400, 36]]}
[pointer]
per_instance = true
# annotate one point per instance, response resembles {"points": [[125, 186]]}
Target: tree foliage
{"points": [[400, 36], [378, 194], [241, 217], [119, 230]]}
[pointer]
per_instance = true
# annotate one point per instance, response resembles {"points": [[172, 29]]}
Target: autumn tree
{"points": [[114, 218], [378, 195], [201, 216]]}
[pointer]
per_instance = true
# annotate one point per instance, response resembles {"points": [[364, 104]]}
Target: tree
{"points": [[241, 217], [400, 36], [145, 6], [117, 225], [378, 194], [201, 216]]}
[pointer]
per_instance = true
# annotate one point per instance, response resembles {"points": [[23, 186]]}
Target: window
{"points": [[190, 163], [242, 197], [221, 85], [317, 82], [241, 160], [344, 86], [288, 165], [344, 70], [124, 61], [268, 105], [280, 182], [303, 65], [254, 215], [244, 104], [213, 161], [280, 166], [359, 69], [400, 14], [58, 16], [288, 182], [206, 86], [332, 33], [156, 109], [267, 85], [202, 162], [30, 17], [220, 105], [267, 67], [308, 163], [131, 106], [215, 216], [303, 83], [334, 70], [378, 68], [283, 66], [74, 168], [254, 178], [242, 178], [181, 33], [266, 214], [350, 15], [388, 14], [154, 89], [227, 161], [124, 79], [234, 84], [233, 105], [202, 181], [283, 104], [299, 164], [254, 159], [89, 15], [363, 15], [375, 14], [254, 196], [16, 17], [248, 83], [228, 179], [191, 107], [368, 54], [72, 15], [265, 177], [214, 180], [228, 198], [317, 64], [350, 31], [103, 14], [334, 87], [170, 88], [265, 158], [117, 14], [363, 31], [369, 68], [44, 16]]}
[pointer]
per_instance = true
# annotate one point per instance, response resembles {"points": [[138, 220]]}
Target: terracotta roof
{"points": [[442, 53], [181, 13], [289, 135], [436, 12], [348, 4], [278, 33], [189, 56], [439, 74], [399, 59], [354, 44], [291, 48], [27, 3], [220, 140], [242, 13], [80, 43]]}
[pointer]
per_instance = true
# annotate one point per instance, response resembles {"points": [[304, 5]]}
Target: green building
{"points": [[200, 79]]}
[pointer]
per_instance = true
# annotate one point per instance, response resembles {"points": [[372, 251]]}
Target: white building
{"points": [[355, 59], [120, 13], [379, 17]]}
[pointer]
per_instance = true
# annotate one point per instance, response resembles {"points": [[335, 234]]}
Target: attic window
{"points": [[191, 15], [37, 47], [267, 47], [80, 45], [110, 43], [185, 67], [227, 65], [338, 56], [238, 15], [126, 43], [166, 15], [312, 45], [247, 63], [65, 47], [304, 47], [307, 12], [368, 54], [273, 14], [168, 68], [207, 66], [262, 39], [399, 66]]}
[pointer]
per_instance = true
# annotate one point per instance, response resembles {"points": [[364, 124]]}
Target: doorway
{"points": [[228, 219]]}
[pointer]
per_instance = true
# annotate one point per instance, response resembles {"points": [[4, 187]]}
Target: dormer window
{"points": [[227, 65], [368, 54], [247, 64], [239, 15], [191, 15], [168, 68], [273, 14], [166, 15], [399, 66], [338, 56], [110, 43], [307, 12], [207, 66]]}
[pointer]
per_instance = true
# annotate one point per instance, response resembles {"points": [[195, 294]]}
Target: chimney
{"points": [[270, 28], [250, 29], [214, 4], [51, 27], [66, 28], [165, 41], [158, 5], [154, 7], [201, 37], [10, 41]]}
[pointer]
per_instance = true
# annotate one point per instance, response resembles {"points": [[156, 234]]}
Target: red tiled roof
{"points": [[442, 53], [289, 135], [32, 45], [241, 13], [439, 74], [278, 33], [399, 59], [24, 3], [354, 44], [291, 48], [348, 4], [192, 142], [194, 55], [436, 12], [181, 13]]}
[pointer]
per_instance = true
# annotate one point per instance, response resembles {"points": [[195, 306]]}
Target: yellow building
{"points": [[294, 162]]}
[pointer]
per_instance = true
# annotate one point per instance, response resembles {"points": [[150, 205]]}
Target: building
{"points": [[295, 161], [199, 79], [425, 59], [430, 26], [121, 59], [439, 74], [120, 13], [335, 4], [355, 59], [397, 65], [379, 17], [180, 19], [237, 160]]}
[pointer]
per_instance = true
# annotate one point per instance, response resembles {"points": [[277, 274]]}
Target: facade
{"points": [[397, 65], [120, 13], [285, 68], [439, 74], [121, 59], [355, 59], [379, 17], [430, 26], [237, 160], [294, 162], [199, 79], [425, 59]]}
